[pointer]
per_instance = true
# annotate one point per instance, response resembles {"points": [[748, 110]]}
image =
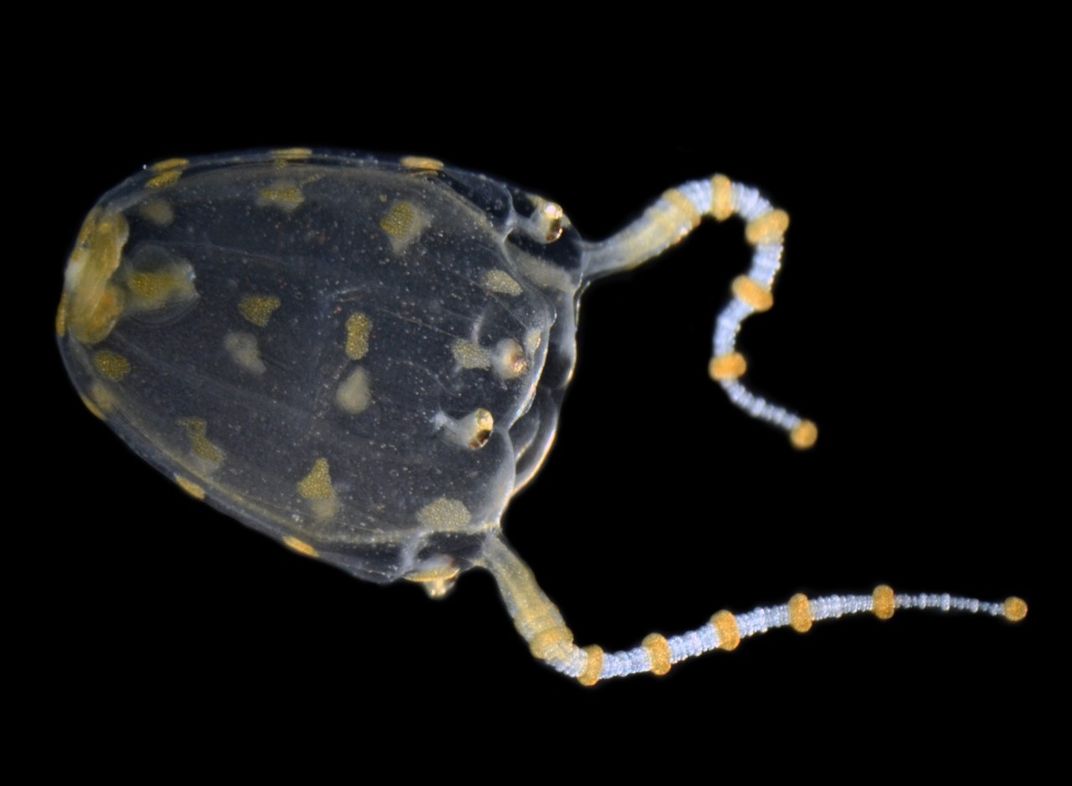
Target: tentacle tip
{"points": [[1015, 609], [804, 435]]}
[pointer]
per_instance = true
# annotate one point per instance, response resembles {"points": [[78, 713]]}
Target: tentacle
{"points": [[672, 218], [540, 623]]}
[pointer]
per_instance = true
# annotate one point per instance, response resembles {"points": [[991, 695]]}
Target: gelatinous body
{"points": [[307, 315]]}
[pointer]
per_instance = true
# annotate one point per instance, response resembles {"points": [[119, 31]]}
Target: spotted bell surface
{"points": [[364, 357]]}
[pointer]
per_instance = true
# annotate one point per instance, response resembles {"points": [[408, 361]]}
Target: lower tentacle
{"points": [[540, 623]]}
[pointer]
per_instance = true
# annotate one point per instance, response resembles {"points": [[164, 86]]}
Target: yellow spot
{"points": [[800, 613], [358, 328], [550, 641], [200, 445], [164, 179], [244, 351], [95, 304], [721, 197], [288, 154], [61, 316], [731, 366], [500, 282], [659, 653], [804, 435], [258, 309], [299, 546], [353, 394], [593, 667], [170, 163], [111, 365], [443, 514], [421, 162], [767, 228], [469, 354], [403, 223], [316, 487], [317, 484], [155, 289], [93, 408], [510, 360], [725, 625], [683, 205], [157, 211], [882, 601], [101, 401], [749, 291], [398, 219], [283, 194], [1015, 609], [190, 487]]}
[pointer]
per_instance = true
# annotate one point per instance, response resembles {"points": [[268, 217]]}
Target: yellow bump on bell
{"points": [[299, 546], [729, 366], [721, 197], [422, 163], [659, 652], [725, 625], [1015, 609], [593, 667], [800, 618], [92, 407], [804, 435], [297, 154], [767, 228], [882, 602], [170, 163], [750, 291], [164, 179], [547, 641], [191, 488]]}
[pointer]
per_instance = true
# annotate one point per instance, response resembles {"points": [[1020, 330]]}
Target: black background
{"points": [[905, 325]]}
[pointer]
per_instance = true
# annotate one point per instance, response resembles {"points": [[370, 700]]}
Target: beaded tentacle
{"points": [[672, 218], [540, 623]]}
